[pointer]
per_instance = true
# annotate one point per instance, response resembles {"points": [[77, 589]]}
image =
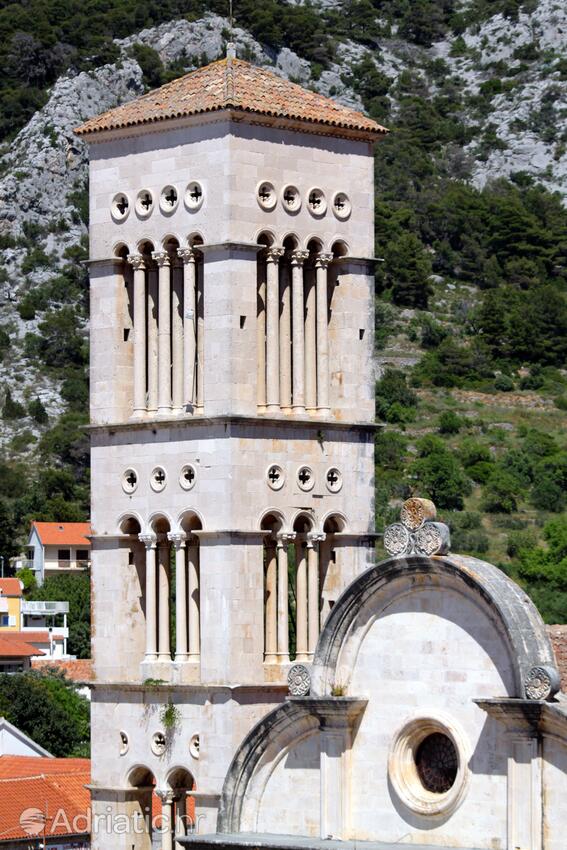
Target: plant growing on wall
{"points": [[170, 716]]}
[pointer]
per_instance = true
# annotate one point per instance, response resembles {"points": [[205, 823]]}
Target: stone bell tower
{"points": [[232, 417]]}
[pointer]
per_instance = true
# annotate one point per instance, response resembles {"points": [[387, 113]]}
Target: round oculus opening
{"points": [[305, 478], [316, 202], [342, 206], [266, 195], [194, 196], [124, 744], [195, 746], [275, 476], [144, 203], [129, 480], [158, 479], [291, 199], [169, 199], [334, 479], [188, 476], [120, 207], [437, 763]]}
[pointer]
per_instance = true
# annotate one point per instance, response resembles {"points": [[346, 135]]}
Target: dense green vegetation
{"points": [[474, 281], [76, 590], [49, 709]]}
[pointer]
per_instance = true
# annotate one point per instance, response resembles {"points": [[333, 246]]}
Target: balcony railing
{"points": [[71, 565], [43, 609]]}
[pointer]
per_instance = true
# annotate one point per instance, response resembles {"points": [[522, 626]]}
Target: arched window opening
{"points": [[159, 595], [179, 805], [330, 551], [187, 587], [276, 640], [147, 805]]}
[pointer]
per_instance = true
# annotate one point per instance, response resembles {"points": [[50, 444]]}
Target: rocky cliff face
{"points": [[516, 126]]}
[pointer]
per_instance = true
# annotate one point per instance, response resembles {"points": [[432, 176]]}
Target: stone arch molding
{"points": [[524, 639], [364, 600]]}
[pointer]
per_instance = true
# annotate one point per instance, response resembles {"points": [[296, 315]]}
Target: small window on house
{"points": [[82, 554], [63, 554], [31, 554], [5, 620]]}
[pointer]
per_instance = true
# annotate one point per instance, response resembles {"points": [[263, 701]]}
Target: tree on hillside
{"points": [[76, 590], [406, 271], [47, 708]]}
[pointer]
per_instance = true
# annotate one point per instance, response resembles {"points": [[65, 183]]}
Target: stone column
{"points": [[271, 604], [164, 651], [178, 540], [285, 338], [152, 340], [167, 799], [189, 324], [149, 541], [321, 265], [298, 324], [139, 266], [272, 331], [177, 347], [283, 626], [261, 333], [200, 274], [194, 598], [313, 540], [181, 818], [301, 600], [310, 343], [164, 333]]}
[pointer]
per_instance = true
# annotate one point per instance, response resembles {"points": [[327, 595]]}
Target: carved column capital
{"points": [[161, 258], [178, 538], [137, 261], [314, 538], [186, 254], [284, 538], [273, 255], [149, 539], [298, 257], [322, 260]]}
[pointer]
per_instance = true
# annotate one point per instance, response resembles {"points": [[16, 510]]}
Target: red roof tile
{"points": [[10, 587], [30, 636], [63, 533], [77, 670], [558, 637], [234, 84], [16, 647], [40, 795]]}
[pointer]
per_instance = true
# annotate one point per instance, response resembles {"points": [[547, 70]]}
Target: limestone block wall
{"points": [[430, 654], [554, 768]]}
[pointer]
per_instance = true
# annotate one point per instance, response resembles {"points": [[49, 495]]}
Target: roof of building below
{"points": [[79, 670], [234, 84], [267, 841], [558, 637], [15, 647], [10, 587], [63, 533], [55, 787]]}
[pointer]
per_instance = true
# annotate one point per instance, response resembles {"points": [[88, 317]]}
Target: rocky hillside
{"points": [[471, 97]]}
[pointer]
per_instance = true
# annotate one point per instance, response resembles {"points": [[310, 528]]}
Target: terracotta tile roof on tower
{"points": [[233, 83], [64, 533]]}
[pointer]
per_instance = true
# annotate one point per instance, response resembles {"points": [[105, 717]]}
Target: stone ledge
{"points": [[289, 842], [228, 419]]}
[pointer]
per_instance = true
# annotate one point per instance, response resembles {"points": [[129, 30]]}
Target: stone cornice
{"points": [[230, 246], [261, 688], [293, 422]]}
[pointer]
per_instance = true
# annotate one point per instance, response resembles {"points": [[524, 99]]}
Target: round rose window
{"points": [[437, 763]]}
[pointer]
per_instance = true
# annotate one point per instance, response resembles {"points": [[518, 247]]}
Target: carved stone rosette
{"points": [[541, 683], [299, 680]]}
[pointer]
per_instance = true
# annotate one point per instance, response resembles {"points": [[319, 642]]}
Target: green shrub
{"points": [[38, 412], [440, 477], [449, 422], [391, 448], [503, 383], [395, 401], [12, 409], [4, 342], [501, 492], [519, 541]]}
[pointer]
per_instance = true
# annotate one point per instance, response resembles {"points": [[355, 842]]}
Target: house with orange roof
{"points": [[57, 547], [44, 802], [29, 628]]}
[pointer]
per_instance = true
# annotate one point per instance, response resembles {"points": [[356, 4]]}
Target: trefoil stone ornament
{"points": [[417, 533], [299, 680]]}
